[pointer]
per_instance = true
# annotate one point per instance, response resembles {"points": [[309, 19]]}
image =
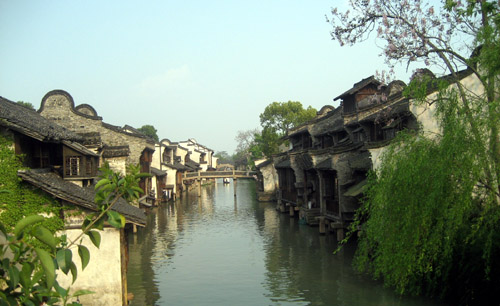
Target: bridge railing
{"points": [[217, 174]]}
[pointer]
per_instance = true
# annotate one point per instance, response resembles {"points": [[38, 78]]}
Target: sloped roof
{"points": [[332, 122], [32, 124], [79, 148], [390, 110], [158, 172], [192, 165], [283, 164], [178, 166], [83, 197], [115, 151], [263, 163], [359, 85], [128, 130]]}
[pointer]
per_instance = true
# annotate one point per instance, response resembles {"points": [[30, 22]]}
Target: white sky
{"points": [[193, 69]]}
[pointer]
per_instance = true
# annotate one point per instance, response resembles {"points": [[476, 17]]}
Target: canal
{"points": [[218, 250]]}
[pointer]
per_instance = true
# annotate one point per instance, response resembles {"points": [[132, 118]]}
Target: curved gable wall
{"points": [[58, 106]]}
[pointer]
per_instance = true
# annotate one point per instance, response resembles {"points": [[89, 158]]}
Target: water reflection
{"points": [[220, 250]]}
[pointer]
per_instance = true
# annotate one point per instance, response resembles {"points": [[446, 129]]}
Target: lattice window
{"points": [[73, 165]]}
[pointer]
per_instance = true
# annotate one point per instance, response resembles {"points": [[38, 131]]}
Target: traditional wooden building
{"points": [[61, 166], [322, 176], [59, 107]]}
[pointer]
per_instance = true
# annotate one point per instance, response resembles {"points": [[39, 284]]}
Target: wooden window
{"points": [[73, 165], [88, 168], [349, 105]]}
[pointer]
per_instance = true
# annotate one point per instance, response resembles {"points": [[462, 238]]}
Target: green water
{"points": [[218, 250]]}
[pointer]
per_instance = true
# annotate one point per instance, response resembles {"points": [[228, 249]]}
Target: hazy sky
{"points": [[193, 69]]}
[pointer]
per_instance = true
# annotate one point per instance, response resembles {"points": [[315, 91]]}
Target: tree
{"points": [[224, 157], [267, 142], [28, 105], [149, 130], [247, 146], [278, 117], [432, 210]]}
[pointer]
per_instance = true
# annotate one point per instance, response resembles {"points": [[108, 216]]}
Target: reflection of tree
{"points": [[301, 266]]}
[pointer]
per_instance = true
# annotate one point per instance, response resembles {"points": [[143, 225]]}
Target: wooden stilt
{"points": [[322, 225], [340, 234]]}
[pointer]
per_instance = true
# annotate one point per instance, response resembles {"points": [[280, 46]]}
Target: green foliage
{"points": [[433, 205], [431, 218], [31, 255], [28, 105], [149, 130], [278, 117], [223, 157], [20, 199], [267, 142]]}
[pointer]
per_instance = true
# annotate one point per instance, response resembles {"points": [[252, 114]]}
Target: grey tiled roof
{"points": [[83, 197], [357, 86], [115, 151], [158, 172], [31, 123]]}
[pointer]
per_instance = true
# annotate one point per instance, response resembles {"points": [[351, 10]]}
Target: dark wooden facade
{"points": [[324, 173]]}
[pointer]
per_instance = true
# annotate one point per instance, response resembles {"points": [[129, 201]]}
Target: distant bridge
{"points": [[234, 174]]}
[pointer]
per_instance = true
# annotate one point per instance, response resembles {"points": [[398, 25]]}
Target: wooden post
{"points": [[199, 187], [234, 185], [322, 225], [291, 211], [340, 234]]}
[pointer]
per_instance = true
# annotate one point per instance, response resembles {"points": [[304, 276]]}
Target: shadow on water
{"points": [[217, 249]]}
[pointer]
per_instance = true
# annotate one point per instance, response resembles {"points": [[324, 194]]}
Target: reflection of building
{"points": [[323, 175], [267, 180], [61, 166]]}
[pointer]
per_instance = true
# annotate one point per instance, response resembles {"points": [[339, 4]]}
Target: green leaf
{"points": [[37, 277], [23, 223], [99, 224], [143, 174], [115, 219], [95, 237], [62, 292], [139, 190], [84, 255], [64, 260], [13, 277], [82, 292], [101, 183], [45, 236], [28, 303], [47, 265], [25, 275], [74, 271], [3, 299], [2, 229]]}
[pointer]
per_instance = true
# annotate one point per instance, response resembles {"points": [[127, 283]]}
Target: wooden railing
{"points": [[235, 174]]}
